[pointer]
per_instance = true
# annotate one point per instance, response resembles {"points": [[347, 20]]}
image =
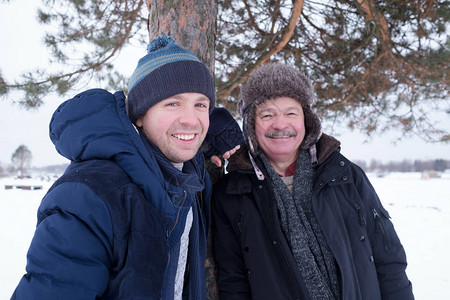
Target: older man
{"points": [[295, 219]]}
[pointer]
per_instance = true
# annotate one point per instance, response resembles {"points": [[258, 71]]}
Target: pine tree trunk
{"points": [[192, 23]]}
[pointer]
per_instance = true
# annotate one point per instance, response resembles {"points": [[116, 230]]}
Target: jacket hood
{"points": [[94, 125]]}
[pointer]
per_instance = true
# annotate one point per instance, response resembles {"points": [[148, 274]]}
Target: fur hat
{"points": [[271, 81], [165, 71]]}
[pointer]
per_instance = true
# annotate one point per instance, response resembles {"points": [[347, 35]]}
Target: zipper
{"points": [[379, 227], [178, 214], [170, 232], [165, 272], [362, 221]]}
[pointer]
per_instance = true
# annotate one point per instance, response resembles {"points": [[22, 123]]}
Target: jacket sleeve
{"points": [[232, 279], [388, 253], [223, 134], [70, 254]]}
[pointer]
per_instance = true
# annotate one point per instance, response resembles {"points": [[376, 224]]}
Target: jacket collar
{"points": [[326, 145]]}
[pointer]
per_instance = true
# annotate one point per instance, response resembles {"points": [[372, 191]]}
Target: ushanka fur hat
{"points": [[271, 81]]}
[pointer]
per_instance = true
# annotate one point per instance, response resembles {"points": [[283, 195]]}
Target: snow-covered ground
{"points": [[420, 210]]}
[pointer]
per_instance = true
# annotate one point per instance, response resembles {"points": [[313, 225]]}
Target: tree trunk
{"points": [[192, 23]]}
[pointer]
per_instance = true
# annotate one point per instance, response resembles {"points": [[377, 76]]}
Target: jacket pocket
{"points": [[380, 226]]}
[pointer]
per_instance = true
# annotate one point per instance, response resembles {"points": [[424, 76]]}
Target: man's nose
{"points": [[188, 116], [279, 122]]}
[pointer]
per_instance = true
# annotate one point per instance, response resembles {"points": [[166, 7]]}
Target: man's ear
{"points": [[139, 122]]}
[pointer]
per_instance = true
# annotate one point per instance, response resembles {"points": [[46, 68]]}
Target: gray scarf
{"points": [[301, 228]]}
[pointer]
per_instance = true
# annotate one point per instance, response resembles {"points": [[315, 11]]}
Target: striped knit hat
{"points": [[165, 71]]}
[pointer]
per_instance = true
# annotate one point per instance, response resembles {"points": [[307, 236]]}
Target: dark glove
{"points": [[223, 134]]}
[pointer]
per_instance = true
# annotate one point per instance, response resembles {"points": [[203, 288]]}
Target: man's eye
{"points": [[172, 104], [201, 105]]}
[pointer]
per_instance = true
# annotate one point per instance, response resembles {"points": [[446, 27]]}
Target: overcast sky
{"points": [[22, 51]]}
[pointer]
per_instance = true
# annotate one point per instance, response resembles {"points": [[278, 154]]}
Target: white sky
{"points": [[22, 51]]}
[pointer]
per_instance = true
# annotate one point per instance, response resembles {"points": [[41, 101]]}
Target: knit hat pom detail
{"points": [[159, 43]]}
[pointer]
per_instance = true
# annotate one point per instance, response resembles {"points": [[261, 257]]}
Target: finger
{"points": [[233, 151], [216, 160], [228, 154]]}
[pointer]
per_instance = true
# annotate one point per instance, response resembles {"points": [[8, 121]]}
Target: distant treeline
{"points": [[405, 165], [49, 170], [374, 165]]}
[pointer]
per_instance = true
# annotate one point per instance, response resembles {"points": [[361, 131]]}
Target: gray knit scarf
{"points": [[301, 228]]}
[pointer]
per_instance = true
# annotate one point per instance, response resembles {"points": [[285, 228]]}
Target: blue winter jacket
{"points": [[106, 227]]}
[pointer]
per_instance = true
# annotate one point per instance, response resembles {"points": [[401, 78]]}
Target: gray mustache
{"points": [[280, 133]]}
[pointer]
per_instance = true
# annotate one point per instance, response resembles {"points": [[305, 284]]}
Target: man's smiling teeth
{"points": [[184, 137], [280, 134], [280, 137]]}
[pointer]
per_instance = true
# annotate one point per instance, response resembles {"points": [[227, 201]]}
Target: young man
{"points": [[129, 217], [295, 219]]}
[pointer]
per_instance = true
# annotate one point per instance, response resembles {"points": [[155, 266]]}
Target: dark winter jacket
{"points": [[106, 227], [253, 257]]}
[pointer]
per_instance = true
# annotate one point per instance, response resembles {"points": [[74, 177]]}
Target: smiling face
{"points": [[177, 125], [280, 129]]}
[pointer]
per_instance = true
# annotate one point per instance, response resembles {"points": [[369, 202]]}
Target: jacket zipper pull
{"points": [[379, 227], [376, 216]]}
